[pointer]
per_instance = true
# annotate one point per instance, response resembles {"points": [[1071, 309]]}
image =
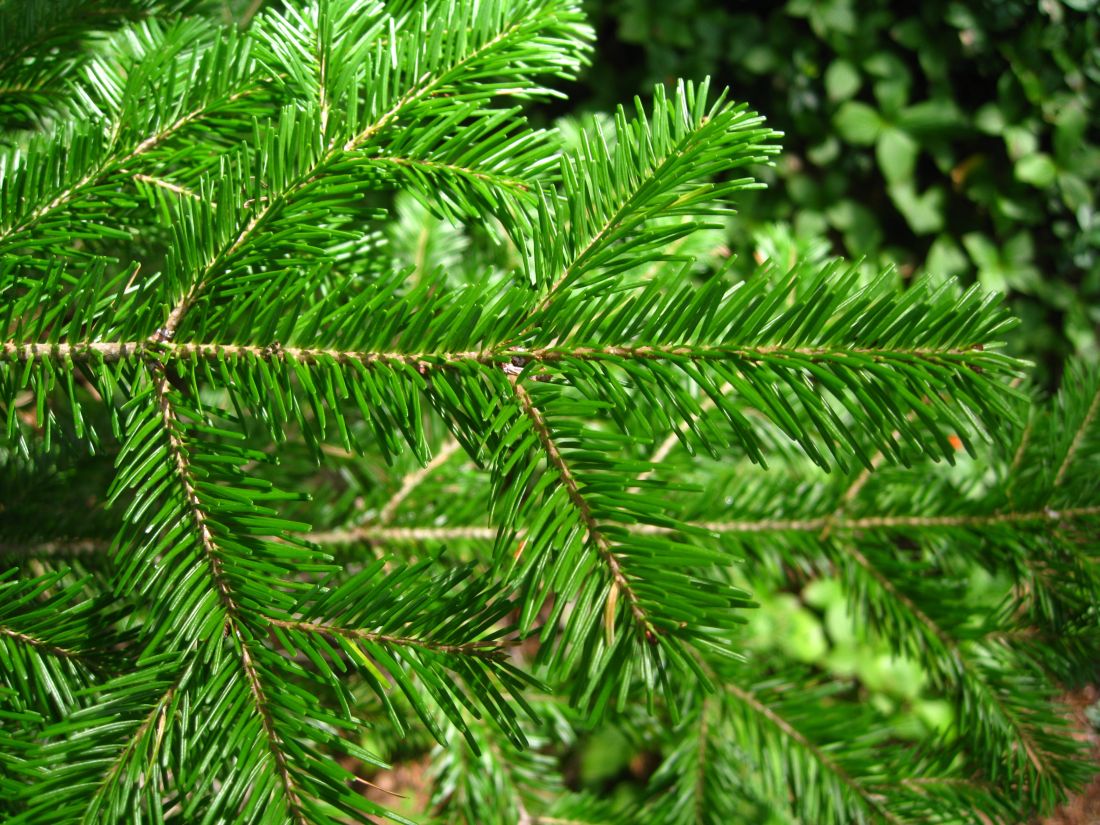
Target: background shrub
{"points": [[947, 137]]}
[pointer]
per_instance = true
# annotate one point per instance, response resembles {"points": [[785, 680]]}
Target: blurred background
{"points": [[941, 137]]}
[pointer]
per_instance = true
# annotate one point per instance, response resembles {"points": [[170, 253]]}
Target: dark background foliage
{"points": [[955, 138]]}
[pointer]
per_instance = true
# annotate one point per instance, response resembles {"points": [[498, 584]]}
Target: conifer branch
{"points": [[382, 533], [178, 453], [958, 656], [665, 448], [484, 648], [414, 479], [161, 136], [268, 319], [421, 91], [40, 644], [156, 715], [161, 183], [515, 185], [115, 161], [402, 535], [1075, 442], [680, 130], [316, 169], [895, 522], [701, 760], [871, 801], [412, 534], [114, 351], [619, 582], [1021, 449]]}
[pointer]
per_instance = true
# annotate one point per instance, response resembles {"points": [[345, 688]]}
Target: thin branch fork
{"points": [[414, 479]]}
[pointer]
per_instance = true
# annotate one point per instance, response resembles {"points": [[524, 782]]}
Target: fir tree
{"points": [[346, 412]]}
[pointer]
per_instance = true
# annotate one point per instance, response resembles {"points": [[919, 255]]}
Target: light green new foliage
{"points": [[345, 412]]}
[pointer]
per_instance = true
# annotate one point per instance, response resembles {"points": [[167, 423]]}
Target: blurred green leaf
{"points": [[1020, 141], [1069, 133], [842, 80], [1075, 192], [857, 122], [862, 233], [922, 211], [990, 119], [1038, 170], [945, 258], [932, 118], [897, 155]]}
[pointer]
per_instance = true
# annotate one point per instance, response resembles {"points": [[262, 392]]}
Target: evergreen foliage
{"points": [[346, 413]]}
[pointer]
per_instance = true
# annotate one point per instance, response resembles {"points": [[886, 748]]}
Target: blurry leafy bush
{"points": [[958, 138]]}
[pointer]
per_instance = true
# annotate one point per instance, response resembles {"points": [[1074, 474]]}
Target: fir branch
{"points": [[413, 480], [402, 535], [186, 479], [968, 679], [161, 183], [1078, 436], [215, 664], [157, 716], [448, 77], [47, 654], [701, 759], [101, 757], [477, 648], [518, 186], [114, 351], [275, 742], [383, 533], [423, 90], [659, 166], [1021, 449], [620, 586], [503, 785], [868, 799], [901, 522], [450, 649], [40, 644], [112, 150]]}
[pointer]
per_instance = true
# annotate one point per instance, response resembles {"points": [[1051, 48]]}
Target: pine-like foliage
{"points": [[345, 411]]}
